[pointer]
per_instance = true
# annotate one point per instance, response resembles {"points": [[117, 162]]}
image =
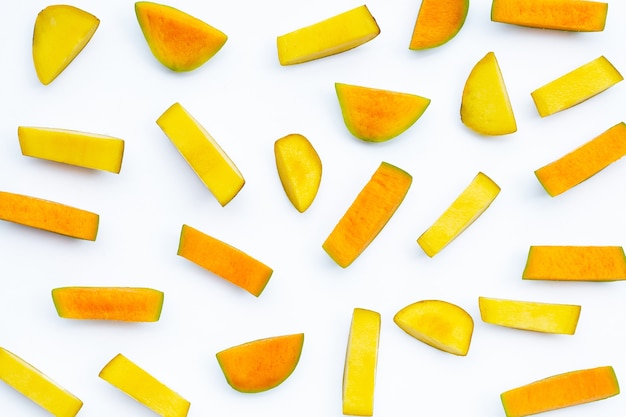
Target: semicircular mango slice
{"points": [[437, 22]]}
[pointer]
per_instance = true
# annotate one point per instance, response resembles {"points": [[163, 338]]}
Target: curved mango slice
{"points": [[437, 22]]}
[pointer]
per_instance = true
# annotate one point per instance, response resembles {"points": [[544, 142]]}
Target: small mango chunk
{"points": [[261, 365], [36, 386], [331, 36], [560, 391], [438, 21], [376, 115], [61, 32]]}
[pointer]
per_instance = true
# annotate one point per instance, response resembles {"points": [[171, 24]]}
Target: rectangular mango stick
{"points": [[583, 162], [575, 263]]}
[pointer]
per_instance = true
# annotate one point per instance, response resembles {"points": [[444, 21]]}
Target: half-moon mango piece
{"points": [[437, 22]]}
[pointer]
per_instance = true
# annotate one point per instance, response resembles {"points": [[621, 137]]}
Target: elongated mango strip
{"points": [[583, 162], [575, 263], [560, 391], [224, 260], [36, 386], [48, 215]]}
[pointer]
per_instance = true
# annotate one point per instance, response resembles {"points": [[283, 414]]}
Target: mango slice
{"points": [[61, 32], [485, 104], [463, 211], [179, 41], [331, 36], [261, 365], [224, 260], [36, 386], [359, 373], [299, 169], [376, 115], [138, 384], [368, 214], [530, 315], [560, 391], [567, 15], [440, 324], [87, 150], [576, 86], [48, 215], [108, 303], [438, 21], [203, 154], [583, 162], [575, 263]]}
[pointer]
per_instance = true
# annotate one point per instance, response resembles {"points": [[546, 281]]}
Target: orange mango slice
{"points": [[438, 21], [261, 365]]}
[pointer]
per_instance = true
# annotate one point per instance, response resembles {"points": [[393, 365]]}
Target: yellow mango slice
{"points": [[61, 32], [138, 384], [567, 15], [561, 391], [530, 315], [438, 21], [359, 373], [36, 386], [485, 104], [108, 303], [203, 154], [48, 215], [575, 263], [465, 209], [261, 365], [179, 41], [576, 86], [376, 115], [224, 260], [368, 214], [331, 36], [299, 169], [440, 324], [583, 162], [87, 150]]}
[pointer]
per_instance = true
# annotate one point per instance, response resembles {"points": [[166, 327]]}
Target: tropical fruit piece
{"points": [[203, 154], [463, 211], [61, 32], [568, 15], [359, 374], [439, 324], [368, 214], [560, 391], [530, 315], [438, 21], [108, 303], [583, 162], [575, 263], [261, 365], [36, 386], [179, 41], [48, 215], [134, 381], [87, 150], [376, 115], [485, 104], [224, 260], [299, 169], [331, 36], [576, 86]]}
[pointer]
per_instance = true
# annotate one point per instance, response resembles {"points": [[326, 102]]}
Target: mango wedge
{"points": [[438, 21]]}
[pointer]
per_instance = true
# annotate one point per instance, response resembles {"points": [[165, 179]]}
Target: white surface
{"points": [[247, 101]]}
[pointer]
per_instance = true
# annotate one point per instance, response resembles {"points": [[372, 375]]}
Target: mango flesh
{"points": [[440, 324], [485, 104], [179, 41], [376, 115], [61, 32], [262, 364], [438, 21]]}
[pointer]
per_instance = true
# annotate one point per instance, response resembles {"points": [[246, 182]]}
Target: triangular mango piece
{"points": [[60, 34], [178, 40], [437, 22]]}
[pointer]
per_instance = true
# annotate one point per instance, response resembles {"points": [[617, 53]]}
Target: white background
{"points": [[246, 100]]}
